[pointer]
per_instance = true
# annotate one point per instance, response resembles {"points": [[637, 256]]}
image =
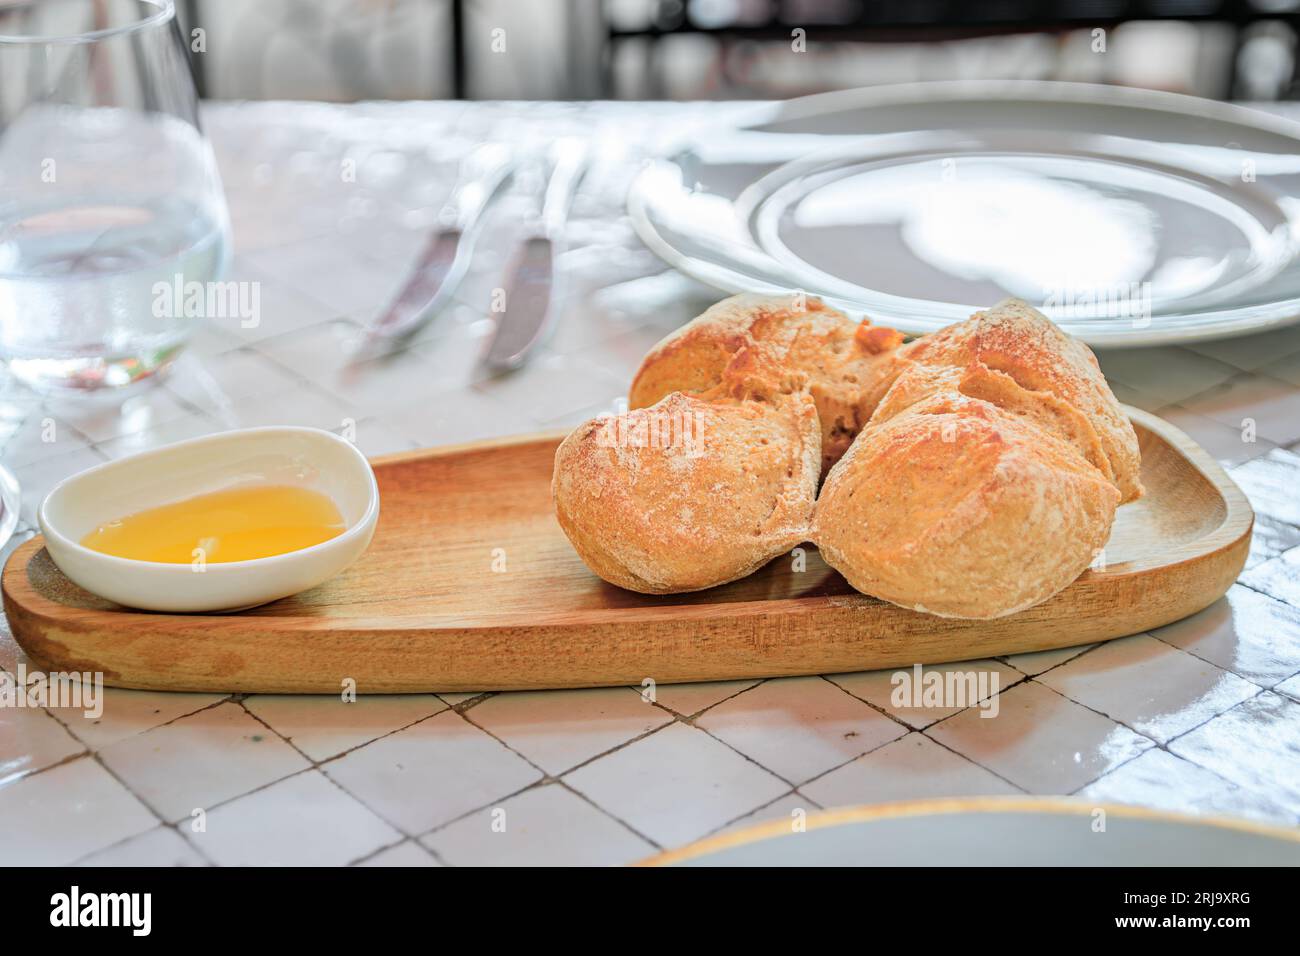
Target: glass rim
{"points": [[166, 11]]}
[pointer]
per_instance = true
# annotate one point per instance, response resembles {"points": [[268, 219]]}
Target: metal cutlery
{"points": [[533, 288], [442, 264]]}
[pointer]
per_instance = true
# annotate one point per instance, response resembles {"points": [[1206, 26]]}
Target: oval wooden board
{"points": [[424, 609]]}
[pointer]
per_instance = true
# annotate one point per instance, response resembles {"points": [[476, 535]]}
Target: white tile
{"points": [[1245, 632], [30, 740], [1270, 538], [1167, 374], [1267, 402], [1132, 396], [881, 687], [1290, 687], [431, 773], [1160, 780], [194, 425], [17, 404], [300, 405], [201, 760], [1255, 745], [374, 437], [452, 353], [799, 727], [689, 699], [424, 377], [1278, 577], [161, 846], [619, 356], [109, 417], [213, 384], [319, 353], [39, 478], [211, 340], [572, 420], [544, 826], [1250, 352], [333, 271], [1227, 444], [66, 813], [466, 416], [584, 324], [322, 726], [406, 853], [913, 768], [559, 729], [553, 385], [1040, 741], [1156, 689], [1035, 662], [303, 821], [281, 310], [676, 785], [1287, 369], [1271, 482], [41, 435], [130, 712]]}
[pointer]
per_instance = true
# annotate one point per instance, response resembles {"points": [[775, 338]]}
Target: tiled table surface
{"points": [[1201, 716]]}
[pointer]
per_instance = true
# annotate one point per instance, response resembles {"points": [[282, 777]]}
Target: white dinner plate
{"points": [[996, 831], [1130, 217]]}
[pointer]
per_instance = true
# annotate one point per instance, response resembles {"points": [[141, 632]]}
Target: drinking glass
{"points": [[111, 207]]}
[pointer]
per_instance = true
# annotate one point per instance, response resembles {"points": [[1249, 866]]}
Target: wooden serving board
{"points": [[470, 586]]}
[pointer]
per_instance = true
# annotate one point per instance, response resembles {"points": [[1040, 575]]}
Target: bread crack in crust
{"points": [[1024, 345], [988, 476], [845, 366]]}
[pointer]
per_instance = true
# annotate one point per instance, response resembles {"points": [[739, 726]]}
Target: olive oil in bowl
{"points": [[237, 524]]}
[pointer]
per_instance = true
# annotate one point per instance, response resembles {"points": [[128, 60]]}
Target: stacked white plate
{"points": [[1130, 217]]}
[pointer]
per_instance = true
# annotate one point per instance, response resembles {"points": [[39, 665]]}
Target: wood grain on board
{"points": [[469, 585]]}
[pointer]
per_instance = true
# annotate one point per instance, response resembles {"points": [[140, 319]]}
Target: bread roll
{"points": [[961, 509], [989, 474], [972, 473], [846, 366], [693, 491], [1059, 371]]}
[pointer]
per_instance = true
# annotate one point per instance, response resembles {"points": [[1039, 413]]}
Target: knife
{"points": [[442, 264], [532, 287]]}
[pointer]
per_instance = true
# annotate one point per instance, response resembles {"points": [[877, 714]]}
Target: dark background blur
{"points": [[345, 50]]}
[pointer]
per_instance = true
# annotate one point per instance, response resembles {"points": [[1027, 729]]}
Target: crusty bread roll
{"points": [[988, 476], [972, 473], [691, 492], [845, 365], [959, 508], [1023, 344]]}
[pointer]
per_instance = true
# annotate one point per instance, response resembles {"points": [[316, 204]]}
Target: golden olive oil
{"points": [[237, 524]]}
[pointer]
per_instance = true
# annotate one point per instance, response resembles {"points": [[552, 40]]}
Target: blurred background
{"points": [[347, 50]]}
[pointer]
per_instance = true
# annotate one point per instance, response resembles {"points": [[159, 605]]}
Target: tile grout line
{"points": [[1206, 660], [1272, 597], [1156, 744], [151, 808], [384, 849]]}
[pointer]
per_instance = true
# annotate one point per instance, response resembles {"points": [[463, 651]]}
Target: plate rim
{"points": [[960, 806]]}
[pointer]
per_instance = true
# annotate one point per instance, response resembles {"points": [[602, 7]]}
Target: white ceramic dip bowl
{"points": [[303, 457]]}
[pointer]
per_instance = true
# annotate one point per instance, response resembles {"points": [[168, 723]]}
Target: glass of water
{"points": [[111, 209]]}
